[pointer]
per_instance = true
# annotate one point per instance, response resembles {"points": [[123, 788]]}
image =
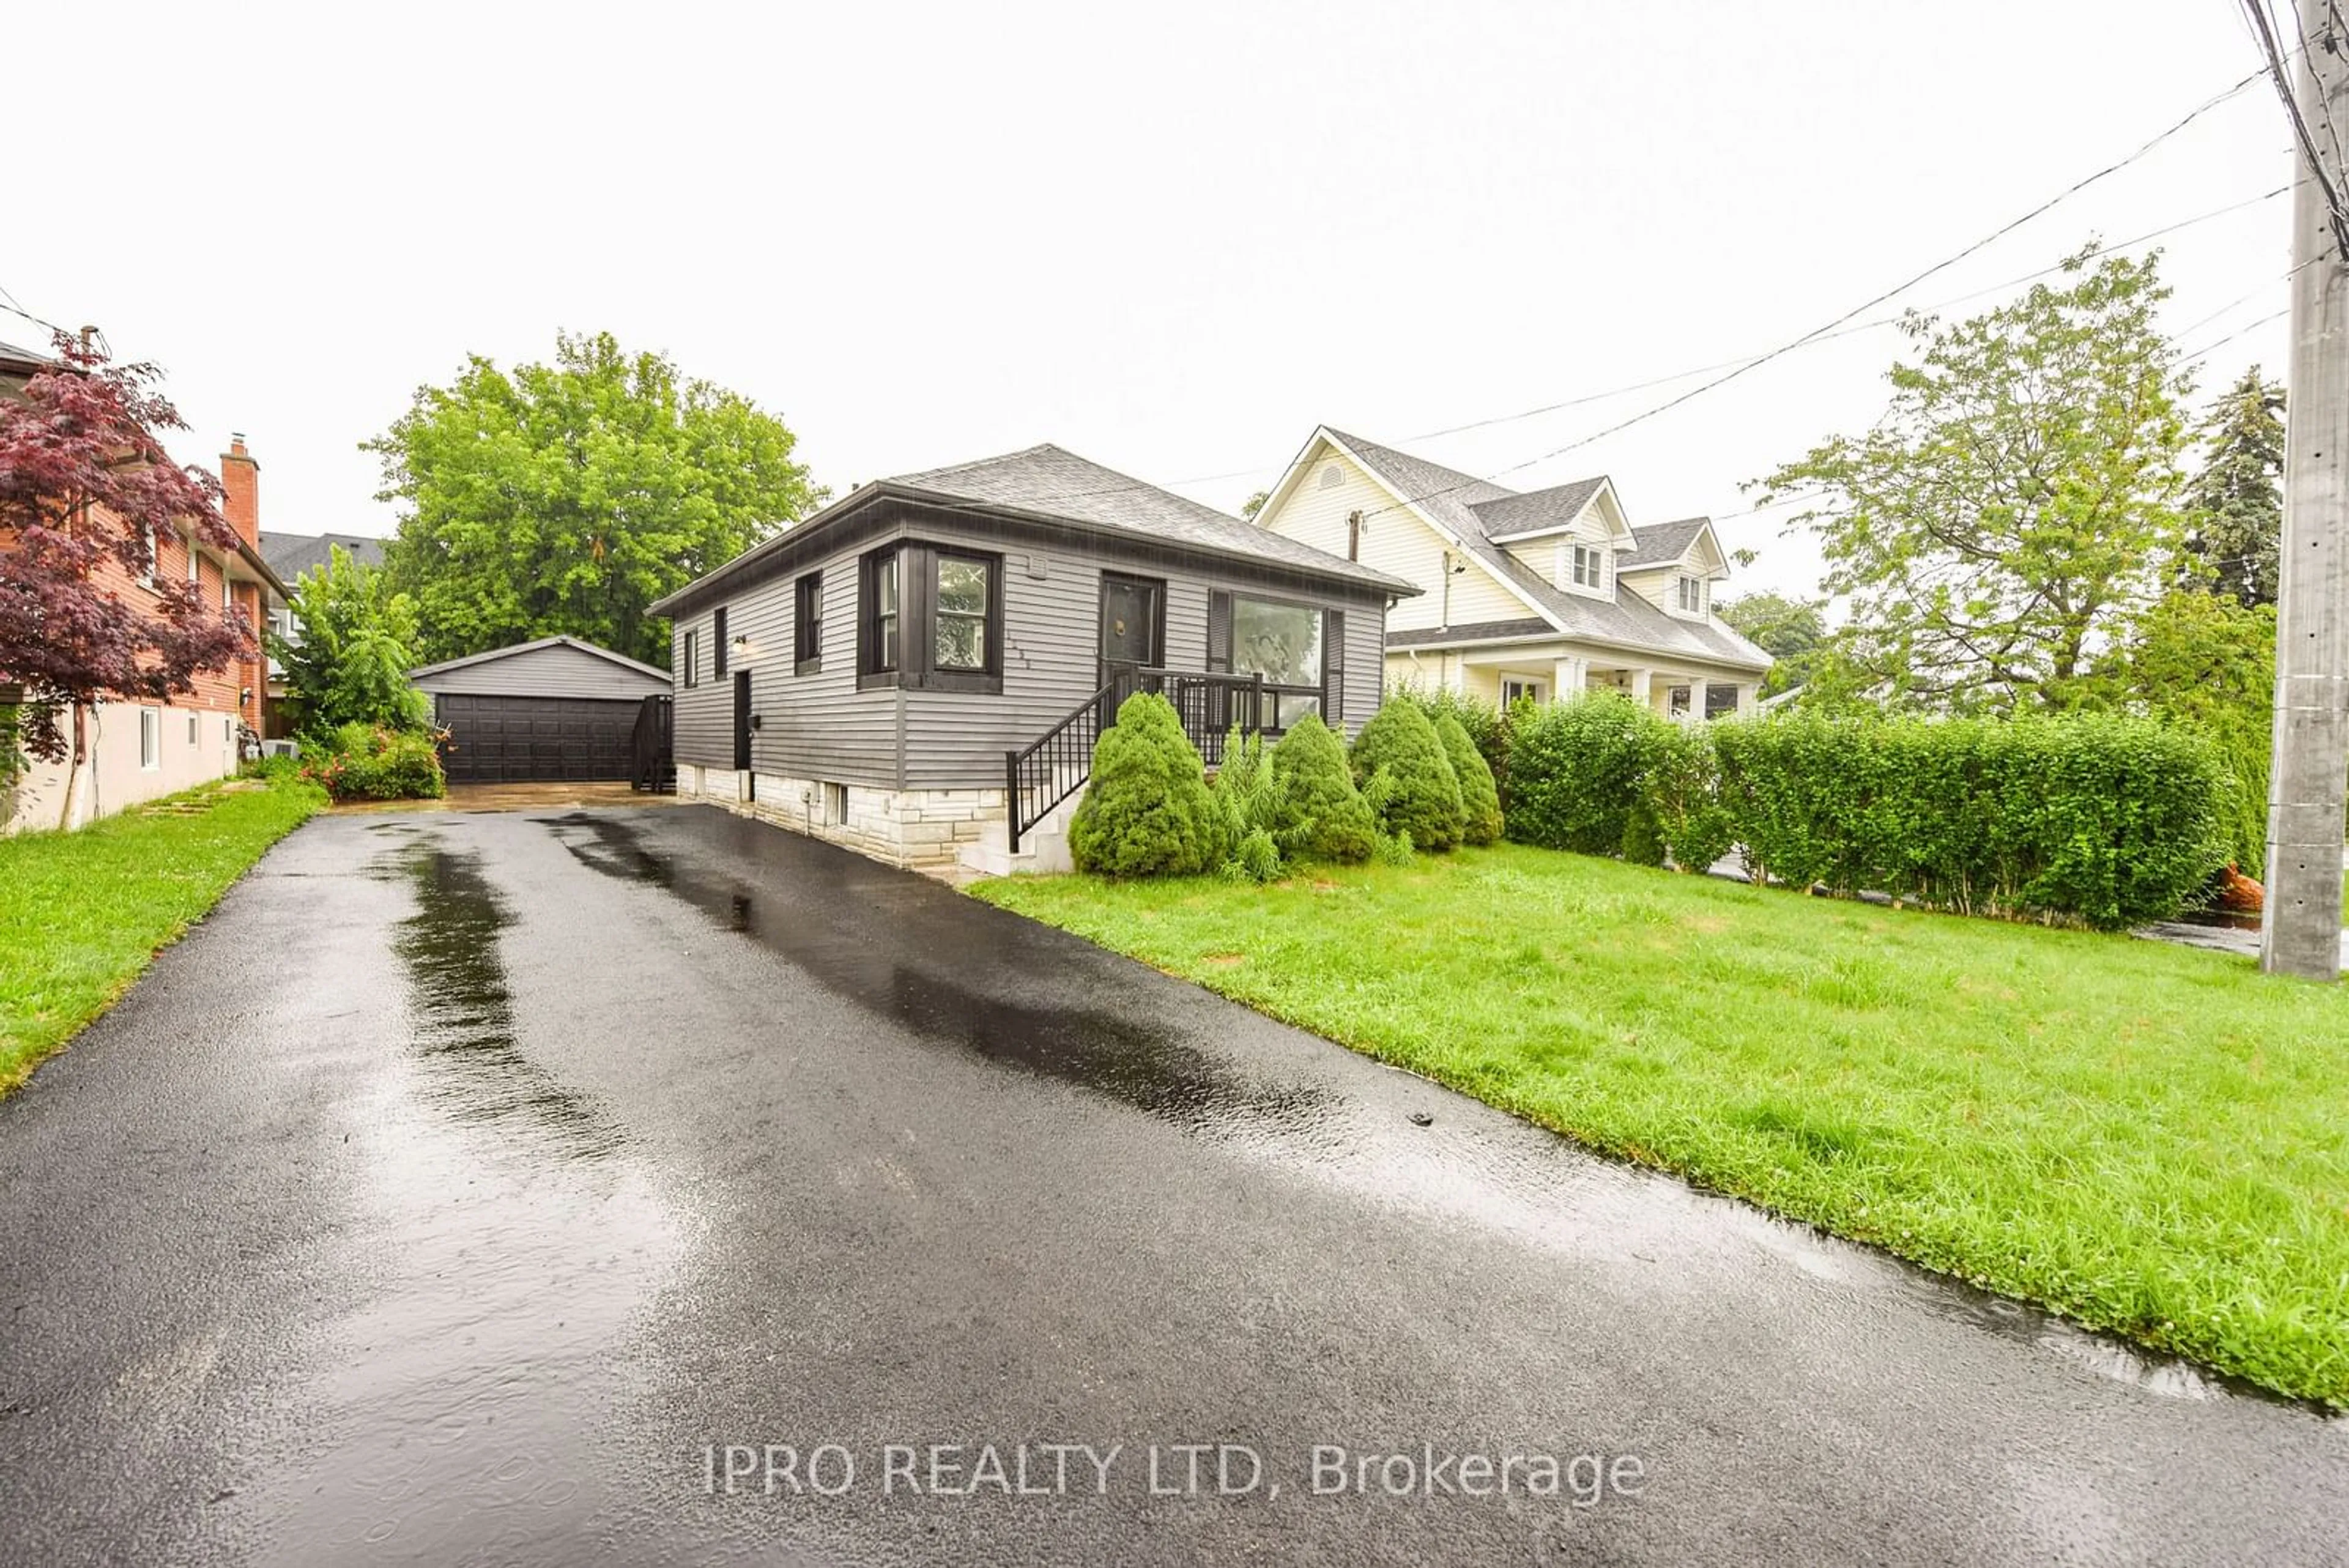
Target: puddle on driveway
{"points": [[1514, 1177], [519, 1244], [1146, 1067]]}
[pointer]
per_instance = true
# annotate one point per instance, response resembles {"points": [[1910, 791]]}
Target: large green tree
{"points": [[358, 642], [2206, 659], [2019, 501], [1790, 630], [2236, 501], [566, 498]]}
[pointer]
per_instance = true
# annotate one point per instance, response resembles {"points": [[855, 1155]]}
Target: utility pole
{"points": [[2301, 934]]}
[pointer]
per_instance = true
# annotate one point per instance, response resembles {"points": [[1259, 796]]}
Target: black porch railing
{"points": [[1057, 763], [652, 767]]}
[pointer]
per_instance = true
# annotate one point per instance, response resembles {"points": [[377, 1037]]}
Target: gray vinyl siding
{"points": [[555, 671], [812, 726], [1052, 653], [820, 726]]}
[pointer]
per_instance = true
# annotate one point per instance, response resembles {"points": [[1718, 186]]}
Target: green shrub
{"points": [[1643, 844], [1244, 789], [1148, 811], [364, 762], [1423, 797], [1680, 799], [1317, 812], [1486, 723], [2109, 821], [1575, 771], [1256, 859], [1480, 800]]}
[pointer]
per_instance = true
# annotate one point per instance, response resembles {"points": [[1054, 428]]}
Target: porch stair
{"points": [[1043, 781], [1043, 849]]}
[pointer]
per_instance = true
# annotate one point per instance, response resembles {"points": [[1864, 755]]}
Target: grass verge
{"points": [[81, 914], [2147, 1138]]}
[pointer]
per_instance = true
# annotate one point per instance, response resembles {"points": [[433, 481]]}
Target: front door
{"points": [[1132, 624], [741, 721]]}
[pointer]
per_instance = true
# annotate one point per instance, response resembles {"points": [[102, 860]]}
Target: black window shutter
{"points": [[1333, 668], [717, 641], [1219, 631]]}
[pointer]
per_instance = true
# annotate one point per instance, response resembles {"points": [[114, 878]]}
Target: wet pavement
{"points": [[467, 1186]]}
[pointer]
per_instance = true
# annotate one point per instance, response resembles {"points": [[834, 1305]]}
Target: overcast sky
{"points": [[1173, 242]]}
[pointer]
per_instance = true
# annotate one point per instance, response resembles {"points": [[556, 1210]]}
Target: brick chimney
{"points": [[241, 489]]}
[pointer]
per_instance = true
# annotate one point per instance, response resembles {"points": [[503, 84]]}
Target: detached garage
{"points": [[557, 711]]}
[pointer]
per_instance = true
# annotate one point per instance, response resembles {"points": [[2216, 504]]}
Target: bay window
{"points": [[930, 618]]}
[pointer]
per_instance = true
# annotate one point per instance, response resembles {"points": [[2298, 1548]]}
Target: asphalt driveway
{"points": [[527, 1188]]}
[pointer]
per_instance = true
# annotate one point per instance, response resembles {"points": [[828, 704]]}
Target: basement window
{"points": [[835, 805], [150, 738]]}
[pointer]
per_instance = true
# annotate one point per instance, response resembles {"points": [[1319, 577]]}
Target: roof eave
{"points": [[889, 489]]}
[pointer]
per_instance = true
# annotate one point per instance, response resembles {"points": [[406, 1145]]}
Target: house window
{"points": [[147, 542], [1589, 567], [881, 618], [931, 619], [150, 738], [1692, 592], [691, 658], [717, 642], [807, 624], [963, 597], [228, 591], [192, 729], [1284, 643], [195, 566], [1517, 688]]}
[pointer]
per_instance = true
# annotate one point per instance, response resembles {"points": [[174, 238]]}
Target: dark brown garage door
{"points": [[518, 739]]}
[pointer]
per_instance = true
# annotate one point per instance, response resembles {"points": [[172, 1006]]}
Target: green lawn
{"points": [[2149, 1139], [81, 914]]}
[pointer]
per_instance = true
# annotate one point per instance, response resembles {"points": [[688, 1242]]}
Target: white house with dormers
{"points": [[1530, 594]]}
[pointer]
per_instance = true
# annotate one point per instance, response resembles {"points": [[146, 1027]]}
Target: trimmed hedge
{"points": [[1148, 812], [2105, 820], [2108, 820], [1480, 799], [1423, 797], [1575, 771], [1316, 811]]}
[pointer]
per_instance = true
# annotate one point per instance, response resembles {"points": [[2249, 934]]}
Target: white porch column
{"points": [[1640, 684], [1697, 684], [1749, 699], [1569, 678]]}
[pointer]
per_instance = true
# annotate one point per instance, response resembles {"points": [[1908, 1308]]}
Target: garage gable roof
{"points": [[518, 649]]}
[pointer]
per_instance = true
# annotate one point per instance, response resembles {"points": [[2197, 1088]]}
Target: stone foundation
{"points": [[919, 828]]}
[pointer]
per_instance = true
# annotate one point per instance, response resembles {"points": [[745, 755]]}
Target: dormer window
{"points": [[1589, 567], [1691, 594]]}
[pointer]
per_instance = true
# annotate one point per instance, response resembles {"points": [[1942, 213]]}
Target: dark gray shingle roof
{"points": [[1049, 480], [1453, 499], [290, 555], [1661, 543], [1553, 508]]}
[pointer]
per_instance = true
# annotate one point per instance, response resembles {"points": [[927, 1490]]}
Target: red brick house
{"points": [[138, 751]]}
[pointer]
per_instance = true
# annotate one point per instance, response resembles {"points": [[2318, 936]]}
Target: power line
{"points": [[2264, 33], [1937, 268]]}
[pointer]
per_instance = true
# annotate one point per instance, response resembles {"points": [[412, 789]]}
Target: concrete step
{"points": [[1043, 849]]}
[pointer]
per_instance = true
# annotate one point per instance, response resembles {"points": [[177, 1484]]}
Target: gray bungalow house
{"points": [[919, 671]]}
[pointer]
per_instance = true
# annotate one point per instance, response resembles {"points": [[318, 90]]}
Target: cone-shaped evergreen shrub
{"points": [[1317, 812], [1480, 799], [1147, 812], [1425, 801]]}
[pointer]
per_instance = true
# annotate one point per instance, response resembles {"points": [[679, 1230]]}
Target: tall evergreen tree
{"points": [[2236, 503]]}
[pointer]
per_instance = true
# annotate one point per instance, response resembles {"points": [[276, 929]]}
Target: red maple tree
{"points": [[84, 480]]}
